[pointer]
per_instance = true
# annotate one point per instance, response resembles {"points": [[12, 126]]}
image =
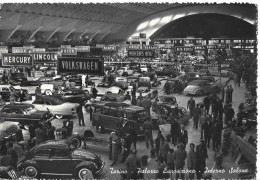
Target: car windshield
{"points": [[194, 83], [57, 101], [31, 110]]}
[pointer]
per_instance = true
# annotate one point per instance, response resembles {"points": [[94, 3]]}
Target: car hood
{"points": [[83, 154], [191, 88], [70, 104]]}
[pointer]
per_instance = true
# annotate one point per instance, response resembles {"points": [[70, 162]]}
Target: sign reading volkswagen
{"points": [[80, 65], [45, 57], [21, 60], [141, 53]]}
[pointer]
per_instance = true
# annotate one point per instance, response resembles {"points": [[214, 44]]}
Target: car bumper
{"points": [[101, 168]]}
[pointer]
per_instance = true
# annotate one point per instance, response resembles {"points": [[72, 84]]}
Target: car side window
{"points": [[42, 153], [38, 101], [6, 110], [59, 153]]}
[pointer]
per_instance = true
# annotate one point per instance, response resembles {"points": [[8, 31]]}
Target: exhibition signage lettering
{"points": [[109, 48], [134, 46], [184, 49], [69, 51], [3, 49], [141, 53], [21, 60], [45, 57], [100, 45], [38, 50], [21, 50], [79, 65], [83, 48], [199, 47], [149, 47]]}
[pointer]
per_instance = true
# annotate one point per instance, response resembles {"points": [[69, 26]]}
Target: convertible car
{"points": [[56, 105], [74, 95], [201, 87]]}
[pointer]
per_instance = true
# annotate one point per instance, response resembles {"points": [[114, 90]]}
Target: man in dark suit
{"points": [[183, 136], [179, 157], [206, 102], [127, 146], [207, 130]]}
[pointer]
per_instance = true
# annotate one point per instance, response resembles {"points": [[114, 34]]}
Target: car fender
{"points": [[88, 164], [30, 162]]}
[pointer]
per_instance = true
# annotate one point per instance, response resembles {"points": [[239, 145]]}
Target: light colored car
{"points": [[106, 88], [143, 68], [147, 91], [201, 87], [96, 80], [57, 106]]}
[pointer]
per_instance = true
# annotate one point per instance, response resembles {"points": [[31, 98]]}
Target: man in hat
{"points": [[179, 157]]}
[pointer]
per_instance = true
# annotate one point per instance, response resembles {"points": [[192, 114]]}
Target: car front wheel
{"points": [[58, 116], [48, 92], [84, 173], [31, 171]]}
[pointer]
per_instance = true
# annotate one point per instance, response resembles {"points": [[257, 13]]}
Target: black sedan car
{"points": [[56, 158], [6, 89], [74, 95], [23, 113]]}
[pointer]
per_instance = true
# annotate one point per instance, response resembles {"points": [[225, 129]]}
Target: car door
{"points": [[39, 104], [42, 159], [6, 114], [61, 162]]}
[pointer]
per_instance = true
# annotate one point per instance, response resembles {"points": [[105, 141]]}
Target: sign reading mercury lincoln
{"points": [[21, 60], [80, 65], [141, 53]]}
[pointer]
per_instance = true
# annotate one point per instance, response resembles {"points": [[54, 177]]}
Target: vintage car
{"points": [[144, 82], [56, 158], [165, 99], [18, 77], [204, 72], [131, 80], [145, 91], [106, 88], [57, 81], [166, 72], [25, 114], [113, 115], [30, 86], [74, 95], [5, 91], [176, 86], [56, 105], [76, 78], [211, 79], [121, 82], [164, 111], [201, 87], [188, 75]]}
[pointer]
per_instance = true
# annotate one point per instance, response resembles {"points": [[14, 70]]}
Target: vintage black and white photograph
{"points": [[128, 90]]}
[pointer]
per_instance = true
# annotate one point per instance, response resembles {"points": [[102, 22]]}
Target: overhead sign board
{"points": [[141, 53], [199, 47], [134, 46], [69, 51], [100, 45], [22, 49], [149, 47], [184, 49], [3, 49], [21, 60], [79, 65], [65, 46], [109, 48], [45, 57], [38, 50], [83, 48]]}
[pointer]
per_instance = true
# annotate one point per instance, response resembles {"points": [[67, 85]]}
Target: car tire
{"points": [[76, 142], [109, 92], [31, 171], [100, 129], [87, 91], [48, 92], [58, 116], [201, 93], [83, 173]]}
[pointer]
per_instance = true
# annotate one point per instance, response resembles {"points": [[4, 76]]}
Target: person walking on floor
{"points": [[116, 144], [207, 131], [183, 136], [206, 102], [191, 161], [127, 146], [191, 105], [80, 115], [228, 95], [50, 131], [200, 162], [180, 156], [164, 148], [131, 163], [214, 134], [40, 134], [170, 160], [231, 93], [175, 129], [147, 127], [196, 118]]}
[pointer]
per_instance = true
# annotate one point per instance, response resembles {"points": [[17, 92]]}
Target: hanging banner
{"points": [[184, 49], [69, 51], [65, 46], [21, 50], [109, 48], [3, 49], [38, 50], [45, 57], [83, 48], [21, 60], [141, 53], [79, 65]]}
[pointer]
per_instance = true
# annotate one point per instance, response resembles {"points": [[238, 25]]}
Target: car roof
{"points": [[20, 105], [57, 144], [167, 96], [113, 95], [134, 108], [49, 97]]}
